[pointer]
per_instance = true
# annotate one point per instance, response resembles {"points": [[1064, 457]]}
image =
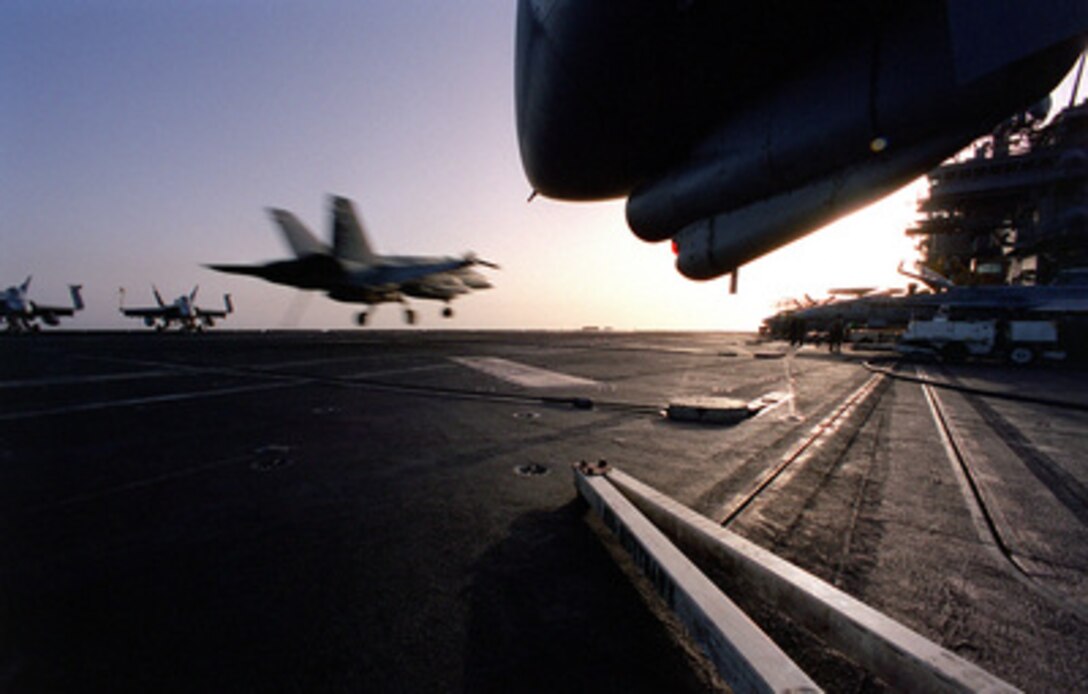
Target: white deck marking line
{"points": [[766, 411], [986, 534], [149, 400], [248, 370], [400, 371], [522, 374], [78, 380], [287, 381]]}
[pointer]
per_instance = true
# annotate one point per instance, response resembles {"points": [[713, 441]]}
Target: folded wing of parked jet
{"points": [[932, 279]]}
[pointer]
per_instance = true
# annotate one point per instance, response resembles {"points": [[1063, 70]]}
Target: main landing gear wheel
{"points": [[360, 319], [409, 316], [447, 312]]}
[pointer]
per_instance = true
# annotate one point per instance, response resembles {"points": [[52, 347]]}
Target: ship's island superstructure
{"points": [[1003, 233]]}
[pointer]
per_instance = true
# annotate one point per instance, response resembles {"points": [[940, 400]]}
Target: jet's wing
{"points": [[211, 313], [228, 308], [400, 274], [932, 279], [150, 311], [441, 285], [49, 312], [1062, 305], [311, 272], [238, 269], [852, 291], [39, 310]]}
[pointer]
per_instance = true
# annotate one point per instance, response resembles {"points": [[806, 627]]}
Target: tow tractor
{"points": [[1019, 341]]}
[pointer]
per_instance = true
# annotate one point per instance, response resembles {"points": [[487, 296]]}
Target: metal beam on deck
{"points": [[897, 655], [746, 658]]}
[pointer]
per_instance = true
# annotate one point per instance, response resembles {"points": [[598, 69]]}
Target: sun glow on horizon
{"points": [[628, 284]]}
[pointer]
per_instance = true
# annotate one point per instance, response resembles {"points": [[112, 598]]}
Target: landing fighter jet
{"points": [[184, 312], [734, 128], [20, 313], [351, 272]]}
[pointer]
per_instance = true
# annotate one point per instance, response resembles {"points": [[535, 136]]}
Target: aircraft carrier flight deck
{"points": [[397, 511]]}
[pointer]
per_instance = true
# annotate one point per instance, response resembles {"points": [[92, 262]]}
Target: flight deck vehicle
{"points": [[1019, 341]]}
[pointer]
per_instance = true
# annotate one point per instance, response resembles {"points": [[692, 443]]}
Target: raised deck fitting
{"points": [[743, 655], [899, 656], [709, 410]]}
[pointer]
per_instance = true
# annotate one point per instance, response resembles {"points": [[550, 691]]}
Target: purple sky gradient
{"points": [[139, 140]]}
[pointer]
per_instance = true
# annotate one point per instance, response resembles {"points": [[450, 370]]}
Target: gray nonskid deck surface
{"points": [[352, 511]]}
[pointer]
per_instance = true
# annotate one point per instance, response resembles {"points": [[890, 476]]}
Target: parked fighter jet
{"points": [[733, 128], [1065, 299], [183, 311], [351, 272], [20, 313], [1066, 295]]}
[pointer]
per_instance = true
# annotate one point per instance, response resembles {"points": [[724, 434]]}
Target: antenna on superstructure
{"points": [[1076, 82]]}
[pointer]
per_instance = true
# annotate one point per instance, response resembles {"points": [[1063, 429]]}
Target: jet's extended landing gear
{"points": [[360, 318], [409, 316], [447, 312]]}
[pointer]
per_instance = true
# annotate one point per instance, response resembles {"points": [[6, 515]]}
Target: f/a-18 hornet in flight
{"points": [[734, 128], [351, 272], [20, 313], [183, 311]]}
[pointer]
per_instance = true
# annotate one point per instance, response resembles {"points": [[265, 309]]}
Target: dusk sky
{"points": [[139, 140]]}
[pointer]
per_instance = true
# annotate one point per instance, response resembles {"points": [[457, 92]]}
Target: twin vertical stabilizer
{"points": [[349, 240], [348, 235], [299, 238]]}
